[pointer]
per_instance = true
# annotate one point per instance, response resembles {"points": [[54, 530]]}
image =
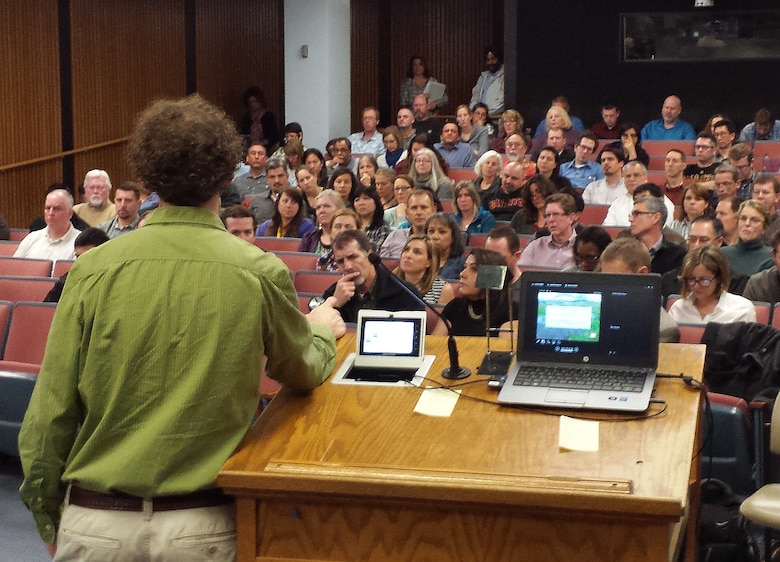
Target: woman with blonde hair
{"points": [[394, 148], [558, 118], [319, 241], [704, 291], [511, 123], [419, 265]]}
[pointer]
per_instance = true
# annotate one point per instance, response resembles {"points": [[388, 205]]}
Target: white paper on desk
{"points": [[578, 435], [439, 402]]}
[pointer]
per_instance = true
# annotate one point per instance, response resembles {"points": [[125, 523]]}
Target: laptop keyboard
{"points": [[577, 378]]}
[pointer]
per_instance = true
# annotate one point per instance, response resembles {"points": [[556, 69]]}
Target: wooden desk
{"points": [[352, 473]]}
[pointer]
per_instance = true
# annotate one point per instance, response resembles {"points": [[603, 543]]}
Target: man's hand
{"points": [[345, 288], [326, 315]]}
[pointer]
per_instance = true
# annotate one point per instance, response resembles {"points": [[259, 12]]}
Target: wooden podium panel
{"points": [[353, 473]]}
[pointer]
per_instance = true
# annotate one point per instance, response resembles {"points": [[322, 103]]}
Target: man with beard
{"points": [[97, 209], [127, 200], [489, 88]]}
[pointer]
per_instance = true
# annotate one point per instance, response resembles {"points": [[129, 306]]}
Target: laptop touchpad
{"points": [[562, 396]]}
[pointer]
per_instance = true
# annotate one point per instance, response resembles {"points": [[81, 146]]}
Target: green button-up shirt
{"points": [[151, 372]]}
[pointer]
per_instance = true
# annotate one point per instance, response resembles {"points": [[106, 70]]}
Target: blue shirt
{"points": [[749, 133], [576, 124], [459, 156], [655, 130], [581, 176]]}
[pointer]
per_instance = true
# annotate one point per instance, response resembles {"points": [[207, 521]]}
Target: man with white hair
{"points": [[98, 208], [55, 241]]}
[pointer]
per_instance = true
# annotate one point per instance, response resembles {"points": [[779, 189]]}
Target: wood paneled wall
{"points": [[30, 119]]}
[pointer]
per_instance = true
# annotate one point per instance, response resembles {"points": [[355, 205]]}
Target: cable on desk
{"points": [[708, 440]]}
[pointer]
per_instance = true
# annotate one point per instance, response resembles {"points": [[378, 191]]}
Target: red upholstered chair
{"points": [[298, 260], [61, 267], [594, 214], [314, 281], [7, 248], [27, 335], [16, 289], [25, 267], [273, 244]]}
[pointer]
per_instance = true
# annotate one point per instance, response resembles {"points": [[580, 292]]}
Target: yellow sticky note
{"points": [[578, 435], [438, 402]]}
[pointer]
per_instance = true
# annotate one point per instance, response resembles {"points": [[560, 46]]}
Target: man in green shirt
{"points": [[151, 375]]}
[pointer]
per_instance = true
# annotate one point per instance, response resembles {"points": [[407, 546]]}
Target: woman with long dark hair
{"points": [[289, 218]]}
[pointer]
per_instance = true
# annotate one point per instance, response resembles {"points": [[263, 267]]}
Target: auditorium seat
{"points": [[27, 335], [776, 315], [447, 205], [314, 281], [763, 311], [391, 263], [7, 248], [303, 300], [25, 267], [298, 260], [273, 244], [691, 333], [461, 174], [593, 214], [661, 147], [766, 148], [477, 240], [61, 267], [16, 289], [5, 319], [15, 391], [18, 234]]}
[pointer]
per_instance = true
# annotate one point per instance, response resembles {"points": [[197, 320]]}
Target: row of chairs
{"points": [[24, 329], [29, 267]]}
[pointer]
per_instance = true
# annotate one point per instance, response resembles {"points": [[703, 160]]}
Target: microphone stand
{"points": [[455, 371], [496, 363]]}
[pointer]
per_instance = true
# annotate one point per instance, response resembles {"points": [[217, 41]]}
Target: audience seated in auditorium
{"points": [[368, 206], [362, 285], [610, 124], [563, 103], [85, 241], [55, 241], [239, 221], [259, 124], [262, 205], [488, 169], [468, 212], [696, 203], [127, 200], [750, 255], [725, 132], [741, 157], [419, 265], [427, 174], [467, 313], [726, 213], [674, 180], [366, 170], [97, 208], [307, 183], [670, 126], [531, 216], [556, 138], [704, 291], [420, 141], [254, 182], [420, 205], [489, 88], [588, 247], [703, 170], [548, 164], [289, 217], [765, 128], [443, 231], [476, 136], [419, 81], [647, 219], [630, 143], [39, 222], [629, 255], [343, 182], [582, 170], [725, 181], [605, 191], [319, 241], [457, 153], [369, 140], [405, 121], [554, 250], [766, 189], [424, 121], [402, 187], [507, 200], [511, 123], [384, 187], [394, 147], [765, 285], [634, 175], [517, 151]]}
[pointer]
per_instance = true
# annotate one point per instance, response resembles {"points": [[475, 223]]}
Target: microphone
{"points": [[455, 371]]}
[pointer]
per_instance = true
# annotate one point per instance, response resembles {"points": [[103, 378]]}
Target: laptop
{"points": [[390, 349], [586, 340]]}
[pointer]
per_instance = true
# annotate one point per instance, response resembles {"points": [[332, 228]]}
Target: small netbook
{"points": [[586, 340], [390, 349]]}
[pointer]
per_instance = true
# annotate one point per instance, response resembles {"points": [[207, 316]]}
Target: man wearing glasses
{"points": [[741, 157], [555, 250], [704, 169], [725, 133], [583, 170], [647, 219]]}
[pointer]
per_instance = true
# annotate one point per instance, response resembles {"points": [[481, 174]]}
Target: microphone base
{"points": [[458, 374], [496, 363]]}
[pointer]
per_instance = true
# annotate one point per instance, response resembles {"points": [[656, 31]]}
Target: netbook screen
{"points": [[591, 322], [399, 337]]}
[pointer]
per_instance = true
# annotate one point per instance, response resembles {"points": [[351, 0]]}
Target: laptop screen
{"points": [[590, 318]]}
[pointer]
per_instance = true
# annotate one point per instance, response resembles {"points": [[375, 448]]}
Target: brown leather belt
{"points": [[124, 502]]}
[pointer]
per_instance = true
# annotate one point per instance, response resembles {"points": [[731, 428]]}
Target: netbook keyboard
{"points": [[577, 378]]}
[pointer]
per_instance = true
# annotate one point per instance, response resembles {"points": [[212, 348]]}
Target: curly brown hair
{"points": [[184, 149]]}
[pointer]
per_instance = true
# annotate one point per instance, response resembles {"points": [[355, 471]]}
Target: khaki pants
{"points": [[207, 533]]}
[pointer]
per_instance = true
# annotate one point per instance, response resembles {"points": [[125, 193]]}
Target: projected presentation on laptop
{"points": [[389, 337], [568, 317]]}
